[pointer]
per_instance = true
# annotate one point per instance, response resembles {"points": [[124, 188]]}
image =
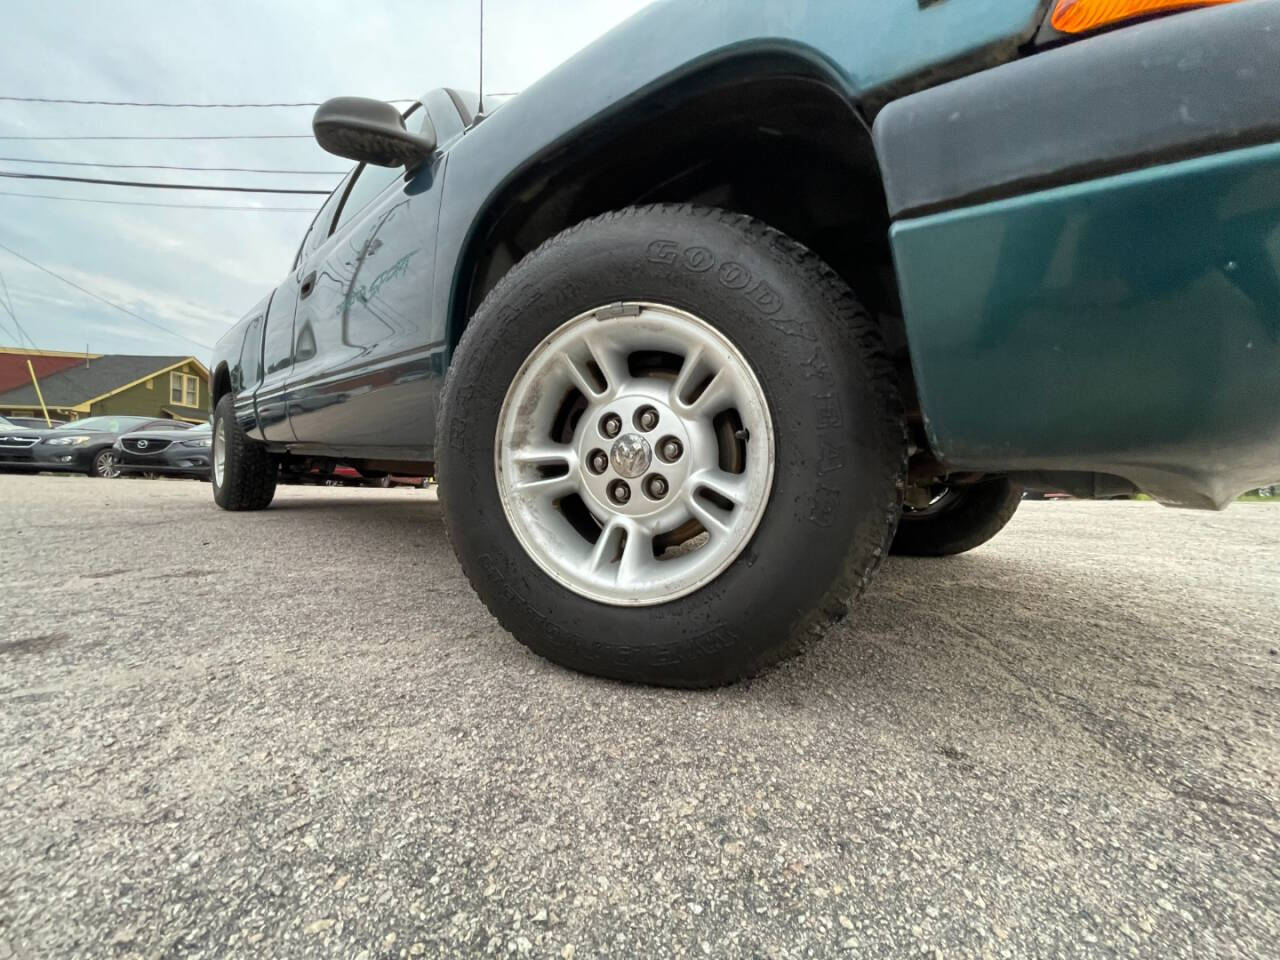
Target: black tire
{"points": [[966, 518], [840, 443], [249, 472]]}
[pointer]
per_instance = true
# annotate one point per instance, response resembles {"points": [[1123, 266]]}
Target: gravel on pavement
{"points": [[299, 733]]}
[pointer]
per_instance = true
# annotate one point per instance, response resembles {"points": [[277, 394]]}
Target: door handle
{"points": [[308, 285]]}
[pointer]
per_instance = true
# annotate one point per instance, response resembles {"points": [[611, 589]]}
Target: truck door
{"points": [[278, 342], [361, 330]]}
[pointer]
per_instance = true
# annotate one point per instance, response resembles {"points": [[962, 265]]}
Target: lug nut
{"points": [[619, 492], [646, 418], [656, 487], [598, 462], [611, 425], [670, 449]]}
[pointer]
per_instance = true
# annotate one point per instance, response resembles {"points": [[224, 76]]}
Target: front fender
{"points": [[870, 50]]}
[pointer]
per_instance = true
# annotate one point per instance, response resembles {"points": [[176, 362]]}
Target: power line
{"points": [[157, 186], [234, 136], [8, 300], [102, 299], [165, 166], [206, 106], [8, 307], [175, 206]]}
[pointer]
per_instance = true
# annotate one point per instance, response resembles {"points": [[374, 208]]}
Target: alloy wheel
{"points": [[634, 454], [219, 451], [104, 465]]}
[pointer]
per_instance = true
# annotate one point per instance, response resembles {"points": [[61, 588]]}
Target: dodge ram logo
{"points": [[631, 455]]}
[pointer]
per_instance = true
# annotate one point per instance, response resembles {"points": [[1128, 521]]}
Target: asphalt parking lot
{"points": [[299, 733]]}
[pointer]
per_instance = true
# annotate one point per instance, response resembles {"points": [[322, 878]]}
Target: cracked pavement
{"points": [[298, 733]]}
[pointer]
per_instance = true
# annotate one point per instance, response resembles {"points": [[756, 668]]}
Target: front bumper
{"points": [[73, 459], [1126, 324], [16, 458], [1199, 83], [191, 462]]}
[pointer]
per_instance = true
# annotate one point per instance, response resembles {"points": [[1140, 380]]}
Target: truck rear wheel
{"points": [[670, 447], [956, 519], [243, 472]]}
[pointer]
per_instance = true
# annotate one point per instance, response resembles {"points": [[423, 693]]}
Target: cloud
{"points": [[195, 271]]}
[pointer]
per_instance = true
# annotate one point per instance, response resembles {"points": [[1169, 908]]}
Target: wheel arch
{"points": [[219, 385], [772, 131]]}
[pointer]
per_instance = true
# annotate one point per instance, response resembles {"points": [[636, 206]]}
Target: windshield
{"points": [[102, 424], [189, 431], [6, 423]]}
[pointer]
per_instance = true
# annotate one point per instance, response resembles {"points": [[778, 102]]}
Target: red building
{"points": [[13, 365]]}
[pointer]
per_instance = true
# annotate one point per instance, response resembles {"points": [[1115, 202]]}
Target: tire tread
{"points": [[250, 471], [860, 343]]}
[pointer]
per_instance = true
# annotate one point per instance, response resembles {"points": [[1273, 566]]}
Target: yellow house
{"points": [[122, 384]]}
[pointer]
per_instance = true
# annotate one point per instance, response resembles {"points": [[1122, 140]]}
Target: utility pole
{"points": [[39, 396]]}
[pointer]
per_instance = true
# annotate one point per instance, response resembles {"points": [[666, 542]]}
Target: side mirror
{"points": [[370, 131]]}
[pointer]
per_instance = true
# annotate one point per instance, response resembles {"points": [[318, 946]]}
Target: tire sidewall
{"points": [[832, 437]]}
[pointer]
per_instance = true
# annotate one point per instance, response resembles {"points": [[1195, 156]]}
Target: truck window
{"points": [[370, 181], [322, 226], [249, 369]]}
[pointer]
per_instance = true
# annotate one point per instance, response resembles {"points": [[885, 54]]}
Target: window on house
{"points": [[184, 389]]}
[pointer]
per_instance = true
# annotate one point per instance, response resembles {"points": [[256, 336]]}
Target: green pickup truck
{"points": [[747, 295]]}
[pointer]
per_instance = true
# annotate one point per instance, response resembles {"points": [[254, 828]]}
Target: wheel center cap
{"points": [[631, 455]]}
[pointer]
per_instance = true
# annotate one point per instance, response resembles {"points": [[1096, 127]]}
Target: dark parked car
{"points": [[180, 452], [85, 446], [17, 443], [744, 296]]}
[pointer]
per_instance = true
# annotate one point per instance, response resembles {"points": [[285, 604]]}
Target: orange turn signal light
{"points": [[1081, 16]]}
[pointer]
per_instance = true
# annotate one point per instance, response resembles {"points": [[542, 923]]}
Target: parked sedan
{"points": [[17, 443], [87, 446], [180, 452]]}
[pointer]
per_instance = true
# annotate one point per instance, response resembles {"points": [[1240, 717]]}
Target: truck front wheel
{"points": [[670, 446], [242, 470]]}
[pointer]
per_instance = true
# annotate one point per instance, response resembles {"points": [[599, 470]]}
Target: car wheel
{"points": [[104, 465], [243, 472], [956, 519], [670, 446]]}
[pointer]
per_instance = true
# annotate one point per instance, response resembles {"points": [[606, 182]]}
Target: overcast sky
{"points": [[196, 271]]}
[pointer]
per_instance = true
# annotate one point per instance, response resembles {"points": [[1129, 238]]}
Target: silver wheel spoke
{"points": [[637, 554], [684, 379], [717, 394], [611, 363], [605, 552], [581, 379], [715, 520], [544, 454], [552, 487], [728, 485]]}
